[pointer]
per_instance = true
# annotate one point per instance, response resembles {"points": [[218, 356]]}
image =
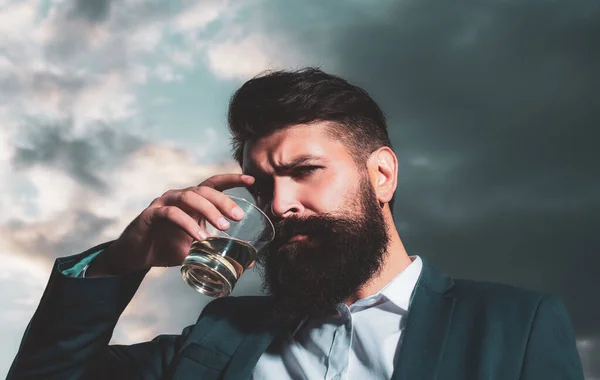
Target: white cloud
{"points": [[245, 57], [7, 181], [166, 74], [6, 147], [110, 98], [55, 192], [15, 18], [181, 57], [200, 15], [6, 66], [133, 184], [138, 74], [146, 38]]}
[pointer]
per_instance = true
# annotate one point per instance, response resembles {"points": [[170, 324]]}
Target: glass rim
{"points": [[257, 209]]}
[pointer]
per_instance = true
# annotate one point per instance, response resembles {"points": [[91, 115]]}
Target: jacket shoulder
{"points": [[243, 312], [476, 289], [497, 299], [238, 304]]}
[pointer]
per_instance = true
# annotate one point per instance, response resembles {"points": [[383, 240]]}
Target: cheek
{"points": [[333, 193]]}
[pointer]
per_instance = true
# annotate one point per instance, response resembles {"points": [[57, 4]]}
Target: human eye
{"points": [[258, 189], [304, 171], [254, 190]]}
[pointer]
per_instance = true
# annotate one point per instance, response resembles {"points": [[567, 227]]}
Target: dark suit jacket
{"points": [[456, 329]]}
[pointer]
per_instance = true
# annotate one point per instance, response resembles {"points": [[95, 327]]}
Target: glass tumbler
{"points": [[213, 266]]}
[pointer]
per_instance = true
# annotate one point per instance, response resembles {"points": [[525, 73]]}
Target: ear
{"points": [[383, 172]]}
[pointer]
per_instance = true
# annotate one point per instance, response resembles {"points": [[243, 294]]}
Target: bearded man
{"points": [[344, 298]]}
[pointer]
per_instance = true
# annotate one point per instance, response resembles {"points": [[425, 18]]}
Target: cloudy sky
{"points": [[493, 108]]}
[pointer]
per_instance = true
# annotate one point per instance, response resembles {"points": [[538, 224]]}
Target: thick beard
{"points": [[340, 254]]}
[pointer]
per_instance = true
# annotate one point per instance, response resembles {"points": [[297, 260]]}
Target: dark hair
{"points": [[275, 100]]}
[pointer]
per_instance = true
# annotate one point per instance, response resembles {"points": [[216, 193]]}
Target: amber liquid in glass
{"points": [[198, 268]]}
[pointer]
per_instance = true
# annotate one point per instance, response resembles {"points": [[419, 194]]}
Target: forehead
{"points": [[290, 143]]}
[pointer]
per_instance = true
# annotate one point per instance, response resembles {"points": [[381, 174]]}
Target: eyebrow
{"points": [[287, 166], [301, 160]]}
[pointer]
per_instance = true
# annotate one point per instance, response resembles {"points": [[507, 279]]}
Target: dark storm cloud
{"points": [[502, 98], [82, 157], [511, 89]]}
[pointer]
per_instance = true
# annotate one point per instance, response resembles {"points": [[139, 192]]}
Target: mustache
{"points": [[310, 226]]}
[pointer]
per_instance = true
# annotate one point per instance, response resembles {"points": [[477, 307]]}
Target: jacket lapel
{"points": [[429, 317], [245, 358], [256, 340], [228, 340]]}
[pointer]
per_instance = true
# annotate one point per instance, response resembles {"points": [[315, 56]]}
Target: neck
{"points": [[395, 261]]}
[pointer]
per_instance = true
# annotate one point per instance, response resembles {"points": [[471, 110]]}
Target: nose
{"points": [[285, 202]]}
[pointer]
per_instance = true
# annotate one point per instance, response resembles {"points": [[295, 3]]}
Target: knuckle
{"points": [[184, 196], [226, 203], [169, 212], [146, 214], [204, 191], [231, 203]]}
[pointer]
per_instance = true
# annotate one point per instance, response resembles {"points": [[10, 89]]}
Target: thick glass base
{"points": [[209, 274]]}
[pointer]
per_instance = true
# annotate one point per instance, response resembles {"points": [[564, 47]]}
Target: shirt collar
{"points": [[399, 290]]}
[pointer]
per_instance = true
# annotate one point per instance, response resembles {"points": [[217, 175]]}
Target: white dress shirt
{"points": [[359, 342]]}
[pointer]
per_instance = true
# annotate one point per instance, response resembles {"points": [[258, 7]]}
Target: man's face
{"points": [[311, 187], [331, 236]]}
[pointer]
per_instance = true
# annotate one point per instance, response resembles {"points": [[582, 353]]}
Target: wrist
{"points": [[97, 267], [114, 261]]}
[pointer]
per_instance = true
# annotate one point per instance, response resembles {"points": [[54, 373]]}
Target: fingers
{"points": [[206, 203], [179, 217], [202, 203], [227, 181]]}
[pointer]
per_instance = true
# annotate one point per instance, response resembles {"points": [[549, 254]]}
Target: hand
{"points": [[163, 233]]}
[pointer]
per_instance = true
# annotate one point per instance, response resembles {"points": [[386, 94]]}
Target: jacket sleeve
{"points": [[68, 336], [551, 351]]}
